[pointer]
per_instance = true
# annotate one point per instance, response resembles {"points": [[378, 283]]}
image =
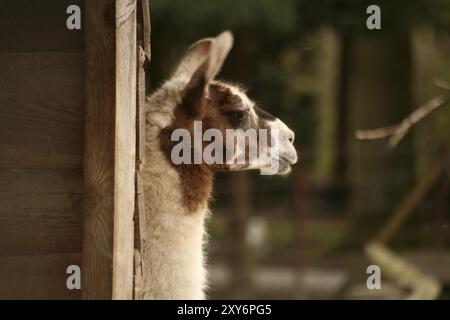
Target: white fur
{"points": [[172, 244], [173, 263], [286, 139], [173, 240], [174, 268]]}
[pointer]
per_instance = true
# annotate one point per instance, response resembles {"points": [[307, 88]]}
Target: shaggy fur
{"points": [[176, 197]]}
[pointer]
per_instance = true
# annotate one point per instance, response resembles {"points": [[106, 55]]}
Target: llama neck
{"points": [[176, 205]]}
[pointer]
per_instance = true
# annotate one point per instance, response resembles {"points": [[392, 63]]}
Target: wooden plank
{"points": [[147, 29], [41, 143], [40, 212], [110, 149], [37, 276], [144, 27], [41, 110], [99, 149], [18, 181], [46, 19], [140, 127], [140, 110], [125, 167], [143, 56]]}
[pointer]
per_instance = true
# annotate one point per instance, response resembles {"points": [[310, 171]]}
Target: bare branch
{"points": [[422, 285], [398, 131], [442, 84], [374, 134]]}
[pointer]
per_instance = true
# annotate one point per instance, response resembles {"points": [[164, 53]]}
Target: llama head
{"points": [[203, 120]]}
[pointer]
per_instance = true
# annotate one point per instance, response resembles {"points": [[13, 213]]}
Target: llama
{"points": [[176, 196]]}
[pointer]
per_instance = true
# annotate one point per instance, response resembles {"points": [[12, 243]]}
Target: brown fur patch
{"points": [[196, 179], [213, 110]]}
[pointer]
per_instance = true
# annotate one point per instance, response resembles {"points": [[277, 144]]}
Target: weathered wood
{"points": [[143, 56], [41, 110], [40, 211], [140, 144], [44, 19], [40, 223], [99, 156], [144, 27], [37, 276], [140, 118], [41, 143], [31, 181], [125, 166], [110, 149], [42, 117]]}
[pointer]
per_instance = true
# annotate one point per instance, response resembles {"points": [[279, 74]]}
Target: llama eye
{"points": [[237, 115]]}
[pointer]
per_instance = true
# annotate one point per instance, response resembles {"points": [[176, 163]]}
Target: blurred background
{"points": [[315, 65]]}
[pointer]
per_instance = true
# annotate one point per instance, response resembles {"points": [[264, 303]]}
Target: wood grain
{"points": [[40, 212], [99, 155], [52, 136], [143, 57], [41, 110], [125, 167], [41, 148], [37, 276], [144, 27], [110, 149], [44, 19]]}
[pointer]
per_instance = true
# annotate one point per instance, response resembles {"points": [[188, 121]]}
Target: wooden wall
{"points": [[41, 148], [70, 118], [110, 146]]}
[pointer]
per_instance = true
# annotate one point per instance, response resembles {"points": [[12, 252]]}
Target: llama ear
{"points": [[194, 93], [207, 55], [195, 57], [220, 48], [200, 65], [191, 72]]}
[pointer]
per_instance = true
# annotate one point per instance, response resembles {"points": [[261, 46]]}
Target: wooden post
{"points": [[110, 146], [125, 169], [143, 57]]}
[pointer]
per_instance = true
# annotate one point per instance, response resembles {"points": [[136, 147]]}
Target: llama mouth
{"points": [[290, 158], [284, 166]]}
